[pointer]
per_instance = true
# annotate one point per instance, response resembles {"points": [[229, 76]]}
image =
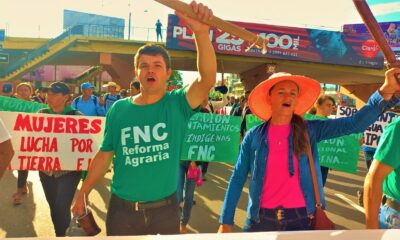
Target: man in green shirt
{"points": [[384, 178], [144, 134]]}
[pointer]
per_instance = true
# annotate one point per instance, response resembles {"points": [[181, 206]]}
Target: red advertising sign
{"points": [[290, 43]]}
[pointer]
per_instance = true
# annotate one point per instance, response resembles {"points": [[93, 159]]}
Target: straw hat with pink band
{"points": [[260, 105]]}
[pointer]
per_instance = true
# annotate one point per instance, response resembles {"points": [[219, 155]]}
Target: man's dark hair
{"points": [[135, 84], [153, 50]]}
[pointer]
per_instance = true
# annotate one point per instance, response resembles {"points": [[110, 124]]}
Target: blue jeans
{"points": [[324, 174], [389, 218], [188, 185], [293, 219], [59, 194], [22, 178], [368, 157]]}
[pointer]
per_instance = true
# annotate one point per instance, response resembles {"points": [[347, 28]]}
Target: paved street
{"points": [[32, 218]]}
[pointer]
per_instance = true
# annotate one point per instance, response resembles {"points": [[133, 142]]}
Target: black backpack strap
{"points": [[75, 102], [95, 100]]}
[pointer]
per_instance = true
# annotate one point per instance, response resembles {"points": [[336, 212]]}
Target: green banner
{"points": [[212, 138], [252, 121], [17, 105], [338, 153]]}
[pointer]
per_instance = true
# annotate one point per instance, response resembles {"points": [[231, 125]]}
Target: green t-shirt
{"points": [[388, 152], [147, 141]]}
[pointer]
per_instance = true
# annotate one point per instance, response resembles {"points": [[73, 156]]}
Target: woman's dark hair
{"points": [[299, 138], [319, 102], [323, 98]]}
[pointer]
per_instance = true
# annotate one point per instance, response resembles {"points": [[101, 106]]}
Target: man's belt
{"points": [[137, 206]]}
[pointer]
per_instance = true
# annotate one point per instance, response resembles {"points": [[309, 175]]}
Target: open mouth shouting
{"points": [[287, 104], [151, 80]]}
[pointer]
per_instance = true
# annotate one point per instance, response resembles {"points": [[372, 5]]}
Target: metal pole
{"points": [[129, 26]]}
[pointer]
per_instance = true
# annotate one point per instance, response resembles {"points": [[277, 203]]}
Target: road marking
{"points": [[351, 203]]}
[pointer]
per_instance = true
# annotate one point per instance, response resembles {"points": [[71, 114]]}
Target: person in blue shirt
{"points": [[281, 194], [87, 103]]}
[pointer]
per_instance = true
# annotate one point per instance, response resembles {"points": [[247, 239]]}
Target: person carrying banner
{"points": [[323, 108], [6, 148], [143, 135], [59, 187], [23, 91], [281, 194]]}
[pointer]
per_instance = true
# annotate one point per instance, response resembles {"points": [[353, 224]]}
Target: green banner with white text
{"points": [[338, 153], [252, 121], [212, 138], [10, 104]]}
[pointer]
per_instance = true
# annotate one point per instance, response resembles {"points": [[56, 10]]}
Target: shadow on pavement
{"points": [[16, 221]]}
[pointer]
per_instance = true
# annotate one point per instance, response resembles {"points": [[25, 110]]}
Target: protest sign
{"points": [[252, 121], [52, 142], [338, 153], [212, 138], [373, 133], [17, 105]]}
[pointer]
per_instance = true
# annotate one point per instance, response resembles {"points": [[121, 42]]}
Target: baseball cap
{"points": [[86, 85], [59, 87], [7, 88]]}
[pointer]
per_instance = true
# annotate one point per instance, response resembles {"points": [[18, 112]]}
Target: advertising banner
{"points": [[2, 35], [391, 31], [212, 138], [289, 43]]}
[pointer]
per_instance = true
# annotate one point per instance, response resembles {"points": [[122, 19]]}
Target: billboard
{"points": [[2, 35], [391, 31], [95, 25], [289, 43]]}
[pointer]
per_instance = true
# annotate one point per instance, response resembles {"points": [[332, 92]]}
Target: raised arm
{"points": [[206, 59], [379, 102]]}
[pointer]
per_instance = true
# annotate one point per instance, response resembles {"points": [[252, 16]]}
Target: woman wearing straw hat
{"points": [[281, 194]]}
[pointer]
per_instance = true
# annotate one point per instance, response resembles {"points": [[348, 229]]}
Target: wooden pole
{"points": [[376, 32], [216, 22]]}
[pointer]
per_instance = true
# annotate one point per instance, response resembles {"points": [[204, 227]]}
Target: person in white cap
{"points": [[111, 96]]}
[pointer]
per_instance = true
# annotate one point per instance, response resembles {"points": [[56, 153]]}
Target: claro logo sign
{"points": [[228, 42], [369, 48]]}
